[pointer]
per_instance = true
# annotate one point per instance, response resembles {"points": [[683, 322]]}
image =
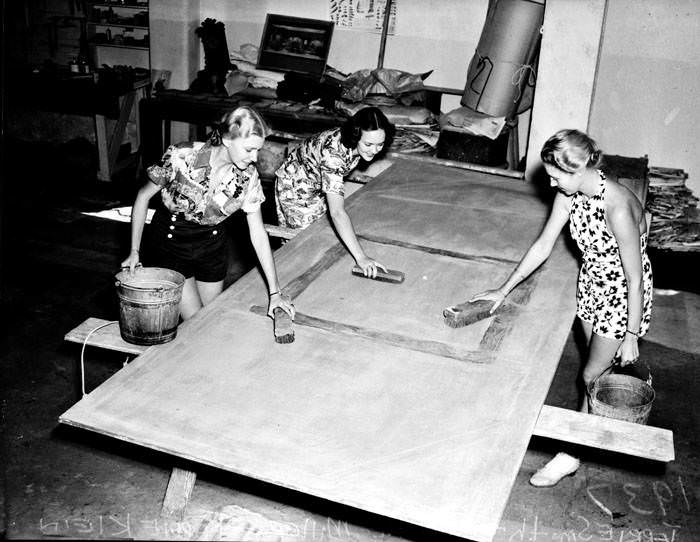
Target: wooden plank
{"points": [[434, 250], [117, 137], [345, 412], [605, 433], [103, 173], [320, 415], [177, 494], [396, 339], [459, 165], [104, 337]]}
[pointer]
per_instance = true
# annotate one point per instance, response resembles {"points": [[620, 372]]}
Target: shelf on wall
{"points": [[120, 6], [139, 47], [119, 25]]}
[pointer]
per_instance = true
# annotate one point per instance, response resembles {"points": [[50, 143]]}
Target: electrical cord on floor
{"points": [[82, 353]]}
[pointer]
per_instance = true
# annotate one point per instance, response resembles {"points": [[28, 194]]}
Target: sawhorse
{"points": [[105, 334]]}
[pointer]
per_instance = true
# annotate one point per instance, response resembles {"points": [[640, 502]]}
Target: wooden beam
{"points": [[395, 339], [385, 30], [178, 494], [605, 433], [103, 173], [459, 165]]}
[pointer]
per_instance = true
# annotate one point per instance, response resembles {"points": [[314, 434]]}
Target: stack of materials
{"points": [[416, 139], [417, 130], [676, 221]]}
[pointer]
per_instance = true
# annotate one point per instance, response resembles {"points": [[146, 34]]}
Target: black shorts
{"points": [[191, 249]]}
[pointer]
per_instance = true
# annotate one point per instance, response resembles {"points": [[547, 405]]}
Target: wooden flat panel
{"points": [[605, 433], [369, 406], [465, 212], [370, 425], [413, 308]]}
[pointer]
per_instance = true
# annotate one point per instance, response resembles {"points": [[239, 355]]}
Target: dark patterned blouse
{"points": [[314, 168], [204, 196]]}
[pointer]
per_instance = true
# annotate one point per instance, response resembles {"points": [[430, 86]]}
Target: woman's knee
{"points": [[208, 291], [600, 357], [590, 374], [190, 302]]}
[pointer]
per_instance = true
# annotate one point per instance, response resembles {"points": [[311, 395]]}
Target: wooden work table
{"points": [[202, 110], [108, 96], [377, 404]]}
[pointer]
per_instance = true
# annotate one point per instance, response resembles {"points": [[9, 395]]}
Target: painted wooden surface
{"points": [[377, 404]]}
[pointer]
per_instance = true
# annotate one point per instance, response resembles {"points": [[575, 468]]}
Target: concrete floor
{"points": [[59, 482]]}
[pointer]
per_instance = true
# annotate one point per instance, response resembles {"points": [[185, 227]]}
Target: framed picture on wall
{"points": [[295, 44]]}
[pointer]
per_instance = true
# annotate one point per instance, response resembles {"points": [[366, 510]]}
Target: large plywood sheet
{"points": [[377, 404]]}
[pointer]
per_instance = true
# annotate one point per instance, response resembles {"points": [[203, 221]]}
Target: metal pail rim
{"points": [[177, 279]]}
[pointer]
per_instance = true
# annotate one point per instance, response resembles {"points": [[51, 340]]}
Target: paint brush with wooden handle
{"points": [[469, 312], [389, 275], [284, 331]]}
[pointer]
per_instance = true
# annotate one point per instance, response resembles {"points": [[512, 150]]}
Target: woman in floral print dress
{"points": [[614, 293], [310, 181], [202, 184]]}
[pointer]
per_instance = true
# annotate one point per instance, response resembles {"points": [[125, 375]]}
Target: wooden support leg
{"points": [[108, 150], [513, 149], [178, 494], [115, 142], [166, 134], [102, 154]]}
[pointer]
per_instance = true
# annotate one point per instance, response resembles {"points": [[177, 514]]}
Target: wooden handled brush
{"points": [[284, 332], [384, 276], [467, 313]]}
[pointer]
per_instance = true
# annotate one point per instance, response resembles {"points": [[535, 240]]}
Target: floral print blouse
{"points": [[314, 168], [204, 197]]}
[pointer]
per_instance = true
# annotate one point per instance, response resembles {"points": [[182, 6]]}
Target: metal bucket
{"points": [[149, 304], [621, 396]]}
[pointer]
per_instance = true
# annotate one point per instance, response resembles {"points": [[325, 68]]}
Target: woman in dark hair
{"points": [[310, 181], [202, 184], [614, 293]]}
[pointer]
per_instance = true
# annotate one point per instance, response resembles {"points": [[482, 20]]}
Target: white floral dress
{"points": [[602, 289]]}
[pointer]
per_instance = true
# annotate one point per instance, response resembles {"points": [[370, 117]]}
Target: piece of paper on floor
{"points": [[120, 214]]}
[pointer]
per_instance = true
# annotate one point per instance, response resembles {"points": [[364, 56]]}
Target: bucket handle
{"points": [[616, 362], [118, 283]]}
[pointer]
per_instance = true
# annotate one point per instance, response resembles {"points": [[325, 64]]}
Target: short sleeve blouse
{"points": [[190, 188], [325, 160]]}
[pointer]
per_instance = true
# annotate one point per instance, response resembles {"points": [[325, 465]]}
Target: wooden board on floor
{"points": [[376, 404], [605, 433]]}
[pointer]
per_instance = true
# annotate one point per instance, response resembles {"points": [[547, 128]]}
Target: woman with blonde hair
{"points": [[202, 184], [614, 293]]}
